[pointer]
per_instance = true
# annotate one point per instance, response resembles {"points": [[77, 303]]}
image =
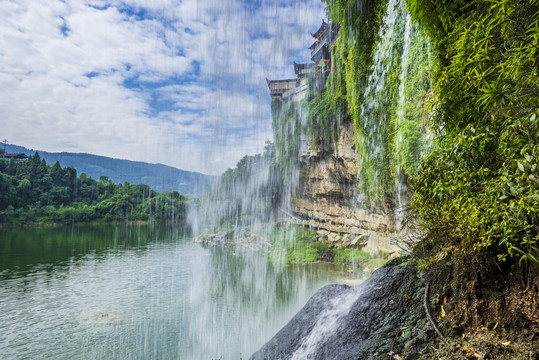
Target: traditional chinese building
{"points": [[325, 37], [296, 89], [279, 87]]}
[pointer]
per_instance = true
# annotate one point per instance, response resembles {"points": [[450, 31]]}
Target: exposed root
{"points": [[425, 296]]}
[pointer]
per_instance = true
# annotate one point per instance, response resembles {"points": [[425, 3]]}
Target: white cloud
{"points": [[177, 82]]}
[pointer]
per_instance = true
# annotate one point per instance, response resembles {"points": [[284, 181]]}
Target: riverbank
{"points": [[292, 244], [50, 223]]}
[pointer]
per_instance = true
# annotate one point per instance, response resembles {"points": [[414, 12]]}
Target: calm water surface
{"points": [[140, 292]]}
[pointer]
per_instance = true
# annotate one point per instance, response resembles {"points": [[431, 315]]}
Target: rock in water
{"points": [[382, 315]]}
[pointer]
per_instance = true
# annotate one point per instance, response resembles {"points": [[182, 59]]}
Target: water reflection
{"points": [[141, 292], [23, 248]]}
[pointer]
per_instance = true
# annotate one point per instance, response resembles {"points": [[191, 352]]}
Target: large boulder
{"points": [[383, 315]]}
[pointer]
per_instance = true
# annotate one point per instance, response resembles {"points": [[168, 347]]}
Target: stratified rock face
{"points": [[381, 316], [328, 198]]}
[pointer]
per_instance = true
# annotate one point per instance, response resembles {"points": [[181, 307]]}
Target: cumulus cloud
{"points": [[176, 82]]}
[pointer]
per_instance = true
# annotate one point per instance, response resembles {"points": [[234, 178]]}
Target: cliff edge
{"points": [[328, 198]]}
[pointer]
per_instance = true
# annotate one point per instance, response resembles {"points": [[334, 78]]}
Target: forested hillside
{"points": [[32, 190], [159, 177]]}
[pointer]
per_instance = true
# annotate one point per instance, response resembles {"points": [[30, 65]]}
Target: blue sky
{"points": [[175, 82]]}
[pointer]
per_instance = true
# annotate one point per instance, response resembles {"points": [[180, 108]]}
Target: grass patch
{"points": [[360, 258]]}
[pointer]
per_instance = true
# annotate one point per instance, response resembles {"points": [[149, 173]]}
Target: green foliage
{"points": [[438, 19], [300, 252], [303, 247], [351, 256], [322, 121], [359, 258], [327, 110], [477, 191], [249, 192], [305, 250], [412, 146], [289, 123], [412, 109], [389, 119], [31, 190]]}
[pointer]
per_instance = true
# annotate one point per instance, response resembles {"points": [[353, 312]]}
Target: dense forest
{"points": [[32, 190]]}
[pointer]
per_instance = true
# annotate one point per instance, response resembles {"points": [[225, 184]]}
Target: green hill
{"points": [[159, 177]]}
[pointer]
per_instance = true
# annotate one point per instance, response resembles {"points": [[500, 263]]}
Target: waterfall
{"points": [[247, 202], [401, 113], [402, 75], [392, 117], [326, 324], [374, 114]]}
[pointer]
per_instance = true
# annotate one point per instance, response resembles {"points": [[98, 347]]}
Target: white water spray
{"points": [[326, 324]]}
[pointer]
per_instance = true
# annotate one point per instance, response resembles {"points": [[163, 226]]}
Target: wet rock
{"points": [[237, 238], [334, 238], [360, 322], [217, 239], [323, 233], [347, 240]]}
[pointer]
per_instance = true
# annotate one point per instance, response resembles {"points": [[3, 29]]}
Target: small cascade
{"points": [[375, 116], [401, 113], [353, 322], [405, 62], [392, 117], [327, 323]]}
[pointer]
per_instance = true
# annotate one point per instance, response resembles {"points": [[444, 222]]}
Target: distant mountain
{"points": [[159, 177]]}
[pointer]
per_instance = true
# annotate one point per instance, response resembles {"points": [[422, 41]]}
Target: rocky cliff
{"points": [[328, 198]]}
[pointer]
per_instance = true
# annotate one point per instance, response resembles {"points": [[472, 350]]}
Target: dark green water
{"points": [[140, 292]]}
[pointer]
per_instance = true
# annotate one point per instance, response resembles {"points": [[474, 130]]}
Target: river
{"points": [[141, 292]]}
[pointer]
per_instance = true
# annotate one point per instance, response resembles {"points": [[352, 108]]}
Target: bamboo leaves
{"points": [[479, 185]]}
